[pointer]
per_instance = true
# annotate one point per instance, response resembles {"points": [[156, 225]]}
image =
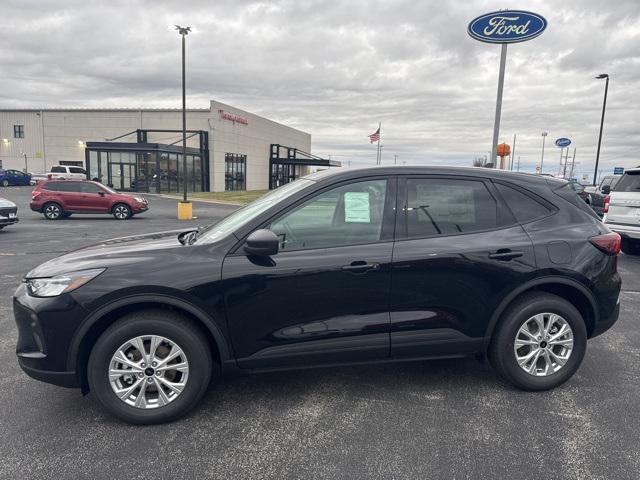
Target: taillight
{"points": [[607, 200], [608, 243], [35, 194]]}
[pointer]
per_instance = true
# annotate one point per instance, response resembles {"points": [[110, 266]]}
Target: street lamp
{"points": [[604, 105], [184, 208], [544, 137]]}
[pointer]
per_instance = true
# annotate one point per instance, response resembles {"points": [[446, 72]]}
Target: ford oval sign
{"points": [[507, 26], [563, 142]]}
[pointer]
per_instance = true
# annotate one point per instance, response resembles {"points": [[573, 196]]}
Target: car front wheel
{"points": [[150, 367], [539, 343], [121, 211]]}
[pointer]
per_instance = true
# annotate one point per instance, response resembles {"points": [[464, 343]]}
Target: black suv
{"points": [[361, 265]]}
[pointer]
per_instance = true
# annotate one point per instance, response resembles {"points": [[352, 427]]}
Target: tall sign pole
{"points": [[184, 208], [496, 121], [504, 27]]}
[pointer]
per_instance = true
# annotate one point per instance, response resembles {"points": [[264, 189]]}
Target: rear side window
{"points": [[52, 186], [58, 170], [64, 186], [523, 207], [448, 206], [567, 193], [630, 182]]}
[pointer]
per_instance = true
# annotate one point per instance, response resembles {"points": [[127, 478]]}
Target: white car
{"points": [[622, 210], [8, 213], [66, 172]]}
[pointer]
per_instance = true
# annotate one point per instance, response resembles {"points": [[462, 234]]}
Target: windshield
{"points": [[630, 182], [240, 217], [108, 189]]}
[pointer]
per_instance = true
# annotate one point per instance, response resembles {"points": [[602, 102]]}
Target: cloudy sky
{"points": [[337, 68]]}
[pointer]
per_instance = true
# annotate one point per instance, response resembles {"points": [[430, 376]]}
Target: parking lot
{"points": [[438, 419]]}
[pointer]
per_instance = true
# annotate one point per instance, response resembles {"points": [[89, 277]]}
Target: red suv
{"points": [[57, 199]]}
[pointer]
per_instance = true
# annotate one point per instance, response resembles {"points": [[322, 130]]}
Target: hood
{"points": [[4, 203], [117, 251]]}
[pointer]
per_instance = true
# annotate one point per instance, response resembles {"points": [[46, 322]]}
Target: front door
{"points": [[324, 298], [458, 253], [94, 198]]}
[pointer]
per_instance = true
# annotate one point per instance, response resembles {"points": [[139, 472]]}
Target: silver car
{"points": [[8, 213]]}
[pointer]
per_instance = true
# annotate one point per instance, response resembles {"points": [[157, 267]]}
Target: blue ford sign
{"points": [[563, 142], [507, 26]]}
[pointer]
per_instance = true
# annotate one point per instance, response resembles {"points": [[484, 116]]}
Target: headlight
{"points": [[139, 199], [67, 282]]}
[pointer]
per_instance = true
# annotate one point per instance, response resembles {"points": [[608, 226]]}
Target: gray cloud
{"points": [[336, 69]]}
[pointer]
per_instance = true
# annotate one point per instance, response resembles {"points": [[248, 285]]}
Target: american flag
{"points": [[374, 137]]}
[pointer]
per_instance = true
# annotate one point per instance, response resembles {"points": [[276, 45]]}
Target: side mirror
{"points": [[102, 194], [262, 242], [606, 190]]}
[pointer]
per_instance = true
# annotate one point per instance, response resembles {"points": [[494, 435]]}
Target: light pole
{"points": [[184, 213], [544, 137], [604, 106]]}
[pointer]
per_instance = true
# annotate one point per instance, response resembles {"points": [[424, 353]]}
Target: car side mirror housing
{"points": [[102, 194], [606, 189], [262, 242]]}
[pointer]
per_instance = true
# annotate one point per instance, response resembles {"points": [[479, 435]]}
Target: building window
{"points": [[235, 171], [18, 131]]}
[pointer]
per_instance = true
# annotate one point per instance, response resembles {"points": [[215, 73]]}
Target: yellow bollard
{"points": [[185, 210]]}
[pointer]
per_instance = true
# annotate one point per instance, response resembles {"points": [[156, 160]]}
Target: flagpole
{"points": [[378, 159]]}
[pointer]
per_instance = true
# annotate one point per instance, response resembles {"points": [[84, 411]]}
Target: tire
{"points": [[52, 211], [502, 352], [5, 183], [629, 246], [173, 328], [121, 211]]}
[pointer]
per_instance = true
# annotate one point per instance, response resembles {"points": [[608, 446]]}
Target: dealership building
{"points": [[141, 149]]}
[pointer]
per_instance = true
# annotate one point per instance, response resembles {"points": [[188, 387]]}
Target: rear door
{"points": [[458, 252], [71, 193], [624, 206]]}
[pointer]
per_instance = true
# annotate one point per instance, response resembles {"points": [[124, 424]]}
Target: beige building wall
{"points": [[56, 135]]}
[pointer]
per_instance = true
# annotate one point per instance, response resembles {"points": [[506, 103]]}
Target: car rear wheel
{"points": [[150, 367], [52, 211], [121, 211], [539, 343]]}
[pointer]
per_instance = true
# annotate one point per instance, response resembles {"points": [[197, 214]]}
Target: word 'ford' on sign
{"points": [[563, 142], [507, 26]]}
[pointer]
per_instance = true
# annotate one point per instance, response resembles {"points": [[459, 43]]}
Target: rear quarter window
{"points": [[629, 182], [58, 170], [523, 206]]}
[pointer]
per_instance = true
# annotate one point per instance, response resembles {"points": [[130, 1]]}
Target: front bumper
{"points": [[140, 207], [45, 330], [8, 221]]}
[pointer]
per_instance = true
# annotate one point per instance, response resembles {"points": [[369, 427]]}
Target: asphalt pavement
{"points": [[450, 419]]}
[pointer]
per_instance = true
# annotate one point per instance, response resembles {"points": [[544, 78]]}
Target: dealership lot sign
{"points": [[504, 27], [507, 26], [563, 142]]}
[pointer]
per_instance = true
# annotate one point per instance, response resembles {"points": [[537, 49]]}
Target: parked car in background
{"points": [[57, 199], [622, 210], [66, 172], [8, 213], [597, 195], [14, 177], [580, 191], [342, 266]]}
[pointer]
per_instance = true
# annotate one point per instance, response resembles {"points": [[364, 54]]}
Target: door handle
{"points": [[505, 254], [360, 266]]}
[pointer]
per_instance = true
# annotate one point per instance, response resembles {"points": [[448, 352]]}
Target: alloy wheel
{"points": [[52, 211], [121, 212], [543, 344], [148, 371]]}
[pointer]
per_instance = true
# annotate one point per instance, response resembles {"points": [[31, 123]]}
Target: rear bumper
{"points": [[628, 231], [605, 324]]}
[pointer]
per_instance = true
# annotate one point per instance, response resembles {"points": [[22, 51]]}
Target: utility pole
{"points": [[604, 106], [573, 163], [395, 159], [186, 206], [513, 151]]}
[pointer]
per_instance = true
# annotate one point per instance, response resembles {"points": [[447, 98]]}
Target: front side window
{"points": [[18, 131], [90, 188], [235, 169], [77, 170], [347, 215], [448, 206]]}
